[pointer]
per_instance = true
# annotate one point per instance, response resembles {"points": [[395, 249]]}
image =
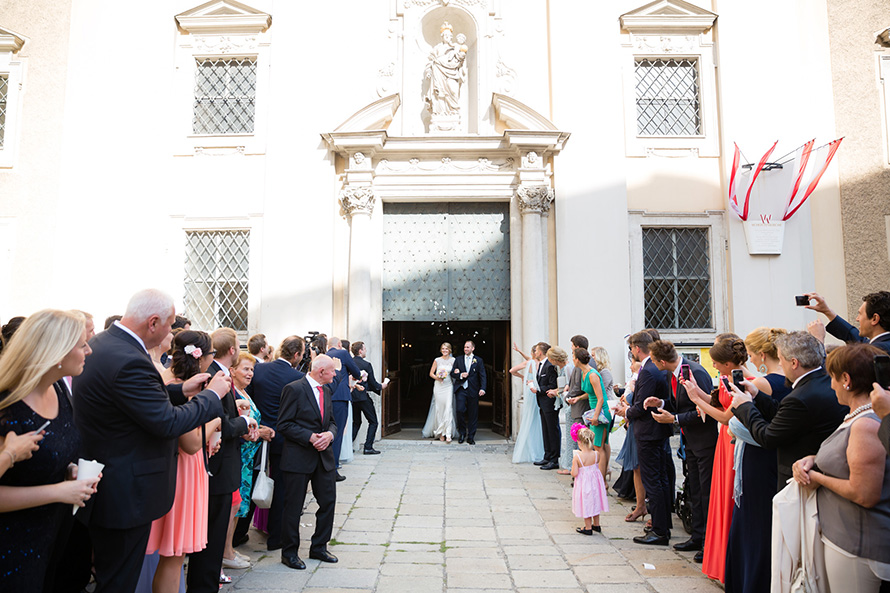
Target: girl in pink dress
{"points": [[589, 493], [183, 530]]}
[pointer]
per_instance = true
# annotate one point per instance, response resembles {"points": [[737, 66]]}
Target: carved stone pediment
{"points": [[11, 41], [224, 16], [668, 16]]}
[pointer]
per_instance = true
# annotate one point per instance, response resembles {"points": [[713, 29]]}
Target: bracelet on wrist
{"points": [[11, 457]]}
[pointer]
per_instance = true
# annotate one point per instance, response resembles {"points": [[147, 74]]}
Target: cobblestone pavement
{"points": [[429, 517]]}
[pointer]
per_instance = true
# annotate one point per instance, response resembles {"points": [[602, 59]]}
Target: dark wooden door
{"points": [[500, 380], [391, 398]]}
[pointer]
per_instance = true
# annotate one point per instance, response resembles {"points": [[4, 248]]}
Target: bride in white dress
{"points": [[440, 422]]}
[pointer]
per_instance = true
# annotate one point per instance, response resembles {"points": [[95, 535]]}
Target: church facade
{"points": [[412, 172]]}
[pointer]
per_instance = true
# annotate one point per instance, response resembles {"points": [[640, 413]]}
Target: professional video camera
{"points": [[306, 362]]}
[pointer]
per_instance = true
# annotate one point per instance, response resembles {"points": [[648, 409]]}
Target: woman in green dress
{"points": [[592, 385]]}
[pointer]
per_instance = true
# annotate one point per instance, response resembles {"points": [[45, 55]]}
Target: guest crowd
{"points": [[182, 423], [177, 422], [780, 417]]}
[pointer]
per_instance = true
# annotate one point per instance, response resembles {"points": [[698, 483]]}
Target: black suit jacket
{"points": [[226, 464], [370, 385], [700, 436], [268, 381], [547, 379], [653, 382], [476, 377], [842, 330], [298, 420], [127, 422], [797, 426]]}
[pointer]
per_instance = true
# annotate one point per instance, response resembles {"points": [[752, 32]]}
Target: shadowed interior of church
{"points": [[410, 347]]}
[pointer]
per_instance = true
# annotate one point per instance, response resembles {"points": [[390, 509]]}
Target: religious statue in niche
{"points": [[446, 71]]}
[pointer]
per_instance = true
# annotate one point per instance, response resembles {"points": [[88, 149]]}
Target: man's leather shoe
{"points": [[542, 462], [699, 556], [550, 466], [651, 539], [293, 562], [340, 478], [324, 556], [690, 545], [461, 439], [471, 441], [372, 451]]}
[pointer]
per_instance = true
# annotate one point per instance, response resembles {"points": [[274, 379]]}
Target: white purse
{"points": [[264, 486]]}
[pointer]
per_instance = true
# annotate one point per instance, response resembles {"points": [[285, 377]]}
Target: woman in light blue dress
{"points": [[530, 441]]}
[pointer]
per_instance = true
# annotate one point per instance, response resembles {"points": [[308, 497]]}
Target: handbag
{"points": [[588, 415], [264, 485]]}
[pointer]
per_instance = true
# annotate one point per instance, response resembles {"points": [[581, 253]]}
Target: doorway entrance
{"points": [[409, 349], [446, 278]]}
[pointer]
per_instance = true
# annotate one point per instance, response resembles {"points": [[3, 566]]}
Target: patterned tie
{"points": [[321, 401]]}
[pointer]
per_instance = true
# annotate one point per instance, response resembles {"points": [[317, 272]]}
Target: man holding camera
{"points": [[873, 318]]}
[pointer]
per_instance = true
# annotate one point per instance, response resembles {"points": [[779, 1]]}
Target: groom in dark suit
{"points": [[125, 416], [306, 420], [470, 382]]}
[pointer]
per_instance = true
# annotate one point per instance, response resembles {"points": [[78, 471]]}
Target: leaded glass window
{"points": [[217, 265], [667, 97], [677, 278], [225, 96], [4, 92]]}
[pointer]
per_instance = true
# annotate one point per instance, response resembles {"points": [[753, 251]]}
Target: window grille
{"points": [[4, 92], [667, 94], [677, 278], [225, 96], [216, 279]]}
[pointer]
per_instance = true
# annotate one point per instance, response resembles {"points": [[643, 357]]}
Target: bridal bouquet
{"points": [[441, 373]]}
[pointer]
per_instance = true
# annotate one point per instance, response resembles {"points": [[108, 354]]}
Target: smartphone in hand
{"points": [[882, 370], [737, 377], [686, 372], [802, 300]]}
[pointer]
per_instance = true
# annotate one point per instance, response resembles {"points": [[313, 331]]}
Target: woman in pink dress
{"points": [[183, 530], [728, 353]]}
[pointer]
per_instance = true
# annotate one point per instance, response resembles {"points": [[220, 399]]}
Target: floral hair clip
{"points": [[576, 428], [193, 350]]}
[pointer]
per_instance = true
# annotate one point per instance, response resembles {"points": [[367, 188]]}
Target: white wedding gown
{"points": [[440, 420]]}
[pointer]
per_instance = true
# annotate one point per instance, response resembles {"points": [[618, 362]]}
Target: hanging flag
{"points": [[733, 181], [825, 152]]}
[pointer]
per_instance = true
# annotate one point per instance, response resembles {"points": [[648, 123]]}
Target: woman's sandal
{"points": [[633, 515], [564, 472], [583, 531]]}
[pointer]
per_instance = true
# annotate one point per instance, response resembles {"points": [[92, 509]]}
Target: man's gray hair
{"points": [[148, 302], [335, 343], [808, 351]]}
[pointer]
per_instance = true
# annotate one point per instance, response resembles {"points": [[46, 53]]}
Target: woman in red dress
{"points": [[728, 353]]}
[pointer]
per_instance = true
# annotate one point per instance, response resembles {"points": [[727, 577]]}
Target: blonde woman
{"points": [[443, 394], [36, 494], [603, 366]]}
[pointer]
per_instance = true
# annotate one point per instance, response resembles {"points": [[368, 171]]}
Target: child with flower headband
{"points": [[589, 492]]}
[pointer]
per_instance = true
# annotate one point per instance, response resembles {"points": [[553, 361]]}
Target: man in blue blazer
{"points": [[873, 318], [128, 422], [652, 437], [699, 432], [342, 394], [268, 382], [469, 382], [309, 426]]}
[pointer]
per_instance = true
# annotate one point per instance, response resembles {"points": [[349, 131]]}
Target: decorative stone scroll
{"points": [[535, 199], [357, 200]]}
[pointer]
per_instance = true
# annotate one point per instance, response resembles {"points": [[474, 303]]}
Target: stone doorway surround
{"points": [[514, 166]]}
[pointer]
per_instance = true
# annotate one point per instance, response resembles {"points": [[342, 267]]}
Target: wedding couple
{"points": [[459, 383]]}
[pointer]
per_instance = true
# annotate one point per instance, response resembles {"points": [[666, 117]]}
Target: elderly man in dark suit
{"points": [[361, 400], [699, 432], [308, 424], [225, 470], [342, 395], [652, 438], [268, 382], [797, 426], [873, 318], [127, 421]]}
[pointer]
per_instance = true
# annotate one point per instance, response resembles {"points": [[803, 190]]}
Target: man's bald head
{"points": [[323, 369]]}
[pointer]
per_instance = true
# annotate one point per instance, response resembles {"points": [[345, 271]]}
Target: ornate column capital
{"points": [[357, 200], [534, 199]]}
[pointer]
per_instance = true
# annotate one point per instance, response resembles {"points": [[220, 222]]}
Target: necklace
{"points": [[857, 411]]}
